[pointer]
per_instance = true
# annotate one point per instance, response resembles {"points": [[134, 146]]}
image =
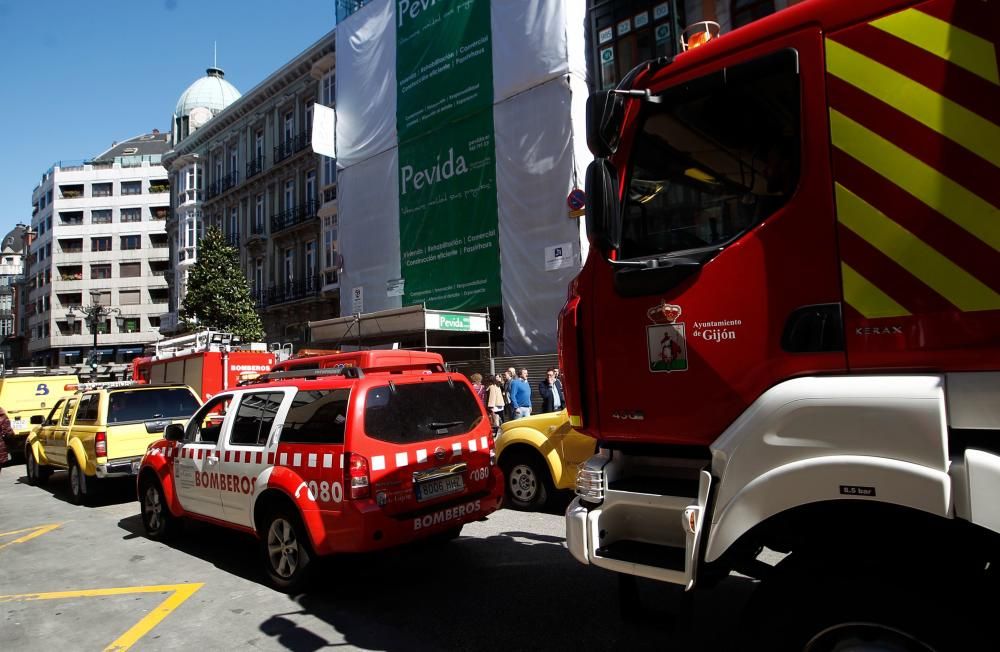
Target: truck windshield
{"points": [[142, 405], [415, 412], [715, 157]]}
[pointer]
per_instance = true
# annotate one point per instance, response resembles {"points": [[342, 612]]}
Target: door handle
{"points": [[212, 459]]}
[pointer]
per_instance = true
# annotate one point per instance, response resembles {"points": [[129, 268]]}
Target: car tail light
{"points": [[101, 444], [356, 476]]}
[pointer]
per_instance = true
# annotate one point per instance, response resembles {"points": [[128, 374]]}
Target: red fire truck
{"points": [[787, 332], [208, 361]]}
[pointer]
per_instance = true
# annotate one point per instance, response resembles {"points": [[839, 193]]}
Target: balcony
{"points": [[291, 146], [255, 166], [233, 239], [294, 291], [330, 194], [294, 216]]}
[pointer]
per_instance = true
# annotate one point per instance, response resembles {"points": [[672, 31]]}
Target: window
{"points": [[157, 403], [289, 264], [310, 185], [131, 241], [329, 88], [710, 164], [130, 270], [308, 118], [310, 258], [234, 222], [289, 126], [415, 412], [74, 218], [259, 214], [234, 161], [128, 297], [102, 216], [254, 419], [206, 424], [258, 145], [131, 187], [329, 171], [101, 298], [100, 244], [69, 411], [316, 417], [101, 190], [131, 215], [100, 271], [130, 325], [87, 412]]}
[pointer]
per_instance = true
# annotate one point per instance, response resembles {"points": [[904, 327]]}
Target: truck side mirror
{"points": [[37, 420], [604, 222], [605, 113], [174, 432]]}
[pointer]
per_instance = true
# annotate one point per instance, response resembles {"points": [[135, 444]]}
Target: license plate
{"points": [[19, 424], [135, 467], [450, 484]]}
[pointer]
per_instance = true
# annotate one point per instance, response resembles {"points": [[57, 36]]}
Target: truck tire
{"points": [[816, 608], [81, 487], [38, 474], [285, 549], [157, 520], [528, 482]]}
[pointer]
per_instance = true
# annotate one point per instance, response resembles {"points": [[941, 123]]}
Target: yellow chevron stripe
{"points": [[946, 278], [957, 203], [951, 120], [867, 299], [944, 40]]}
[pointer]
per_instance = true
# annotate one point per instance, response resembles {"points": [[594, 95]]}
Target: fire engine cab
{"points": [[786, 334], [323, 461], [208, 361]]}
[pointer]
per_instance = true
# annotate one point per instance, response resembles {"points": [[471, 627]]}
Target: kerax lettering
{"points": [[450, 168], [445, 515]]}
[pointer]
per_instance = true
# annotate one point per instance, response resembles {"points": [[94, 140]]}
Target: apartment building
{"points": [[248, 168], [98, 235], [11, 271]]}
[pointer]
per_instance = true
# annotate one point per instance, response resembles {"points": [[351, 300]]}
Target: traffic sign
{"points": [[576, 200]]}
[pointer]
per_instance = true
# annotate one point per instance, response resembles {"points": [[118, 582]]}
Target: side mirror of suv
{"points": [[174, 432], [37, 420], [604, 221]]}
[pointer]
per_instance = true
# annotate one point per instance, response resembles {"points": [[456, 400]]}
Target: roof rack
{"points": [[347, 372], [86, 387]]}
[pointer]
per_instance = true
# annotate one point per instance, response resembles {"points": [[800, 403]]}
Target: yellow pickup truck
{"points": [[27, 399], [539, 454], [103, 432]]}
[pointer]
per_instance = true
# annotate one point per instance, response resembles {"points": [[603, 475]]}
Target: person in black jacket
{"points": [[551, 390]]}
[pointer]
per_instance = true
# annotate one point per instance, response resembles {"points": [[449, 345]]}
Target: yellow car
{"points": [[539, 454], [103, 432], [27, 399]]}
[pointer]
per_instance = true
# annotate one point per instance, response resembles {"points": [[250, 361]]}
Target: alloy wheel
{"points": [[282, 548], [153, 508]]}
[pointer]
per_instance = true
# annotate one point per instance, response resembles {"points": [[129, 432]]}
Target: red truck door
{"points": [[727, 279]]}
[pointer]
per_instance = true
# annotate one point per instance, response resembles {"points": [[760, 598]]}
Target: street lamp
{"points": [[93, 315]]}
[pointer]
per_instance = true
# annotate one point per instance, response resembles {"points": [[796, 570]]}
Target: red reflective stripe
{"points": [[260, 458], [246, 457], [270, 458]]}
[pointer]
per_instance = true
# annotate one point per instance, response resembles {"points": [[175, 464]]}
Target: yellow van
{"points": [[27, 399]]}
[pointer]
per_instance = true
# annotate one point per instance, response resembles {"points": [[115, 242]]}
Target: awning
{"points": [[398, 323]]}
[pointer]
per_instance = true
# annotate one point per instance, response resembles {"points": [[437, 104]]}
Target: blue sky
{"points": [[78, 75]]}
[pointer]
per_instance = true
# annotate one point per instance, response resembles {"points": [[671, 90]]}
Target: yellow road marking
{"points": [[943, 40], [913, 254], [866, 298], [960, 205], [178, 594], [33, 532], [933, 110]]}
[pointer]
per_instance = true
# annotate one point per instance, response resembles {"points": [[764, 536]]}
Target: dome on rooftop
{"points": [[202, 100]]}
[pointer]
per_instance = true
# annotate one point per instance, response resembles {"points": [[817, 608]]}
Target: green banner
{"points": [[444, 63], [448, 228]]}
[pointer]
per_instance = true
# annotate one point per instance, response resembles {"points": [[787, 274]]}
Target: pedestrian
{"points": [[494, 403], [5, 432], [520, 395], [551, 390], [478, 387], [509, 377]]}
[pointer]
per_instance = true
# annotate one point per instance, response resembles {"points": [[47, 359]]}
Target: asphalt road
{"points": [[507, 584]]}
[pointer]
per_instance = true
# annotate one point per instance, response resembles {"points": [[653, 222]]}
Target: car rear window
{"points": [[166, 403], [415, 412]]}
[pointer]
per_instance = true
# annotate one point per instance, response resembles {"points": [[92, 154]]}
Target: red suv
{"points": [[315, 462]]}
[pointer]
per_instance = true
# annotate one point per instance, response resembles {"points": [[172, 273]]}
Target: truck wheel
{"points": [[528, 481], [81, 488], [157, 520], [285, 548], [848, 607], [37, 473]]}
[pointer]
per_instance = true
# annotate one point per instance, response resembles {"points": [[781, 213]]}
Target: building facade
{"points": [[11, 272], [98, 236], [249, 169]]}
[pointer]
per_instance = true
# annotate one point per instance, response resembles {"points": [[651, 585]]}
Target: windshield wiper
{"points": [[434, 425]]}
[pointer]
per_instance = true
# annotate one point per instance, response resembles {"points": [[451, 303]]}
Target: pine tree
{"points": [[218, 295]]}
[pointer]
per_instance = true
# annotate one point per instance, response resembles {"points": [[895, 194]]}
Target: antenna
{"points": [[215, 54]]}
